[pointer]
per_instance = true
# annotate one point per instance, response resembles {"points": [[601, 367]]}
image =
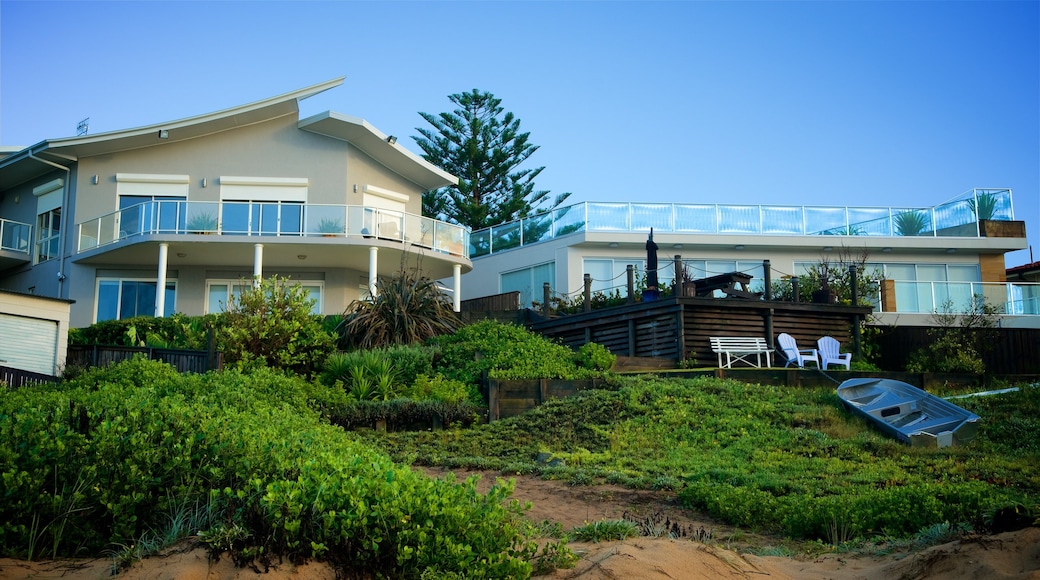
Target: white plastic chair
{"points": [[793, 354], [830, 353]]}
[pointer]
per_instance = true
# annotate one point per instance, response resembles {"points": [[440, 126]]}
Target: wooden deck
{"points": [[679, 328]]}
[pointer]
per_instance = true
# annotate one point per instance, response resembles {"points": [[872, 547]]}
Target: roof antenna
{"points": [[82, 126]]}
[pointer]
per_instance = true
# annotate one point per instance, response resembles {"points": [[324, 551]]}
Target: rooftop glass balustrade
{"points": [[277, 219], [958, 217], [15, 236]]}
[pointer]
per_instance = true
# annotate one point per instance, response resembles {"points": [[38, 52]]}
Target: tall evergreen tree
{"points": [[484, 147]]}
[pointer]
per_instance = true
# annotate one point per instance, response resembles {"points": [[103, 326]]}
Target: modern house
{"points": [[177, 216], [928, 255]]}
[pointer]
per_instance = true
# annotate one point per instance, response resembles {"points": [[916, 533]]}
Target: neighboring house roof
{"points": [[36, 296], [1024, 271], [39, 159]]}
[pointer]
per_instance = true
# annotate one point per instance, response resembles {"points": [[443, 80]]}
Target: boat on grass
{"points": [[908, 413]]}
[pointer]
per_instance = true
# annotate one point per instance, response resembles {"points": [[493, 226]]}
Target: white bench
{"points": [[740, 348]]}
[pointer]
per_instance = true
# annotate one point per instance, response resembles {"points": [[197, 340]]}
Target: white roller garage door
{"points": [[30, 344]]}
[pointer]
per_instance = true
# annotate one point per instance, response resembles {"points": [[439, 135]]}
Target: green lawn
{"points": [[778, 459]]}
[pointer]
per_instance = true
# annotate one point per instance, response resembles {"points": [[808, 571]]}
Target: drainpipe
{"points": [[62, 232]]}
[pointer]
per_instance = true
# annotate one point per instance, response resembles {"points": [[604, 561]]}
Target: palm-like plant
{"points": [[910, 223], [984, 206], [408, 308]]}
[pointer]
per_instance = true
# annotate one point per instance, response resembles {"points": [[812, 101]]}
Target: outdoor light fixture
{"points": [[613, 244], [94, 179], [391, 139], [738, 247], [886, 250], [301, 256], [164, 134], [203, 182], [950, 250], [677, 246], [182, 255], [827, 248]]}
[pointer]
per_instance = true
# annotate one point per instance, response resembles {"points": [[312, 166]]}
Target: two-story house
{"points": [[177, 216]]}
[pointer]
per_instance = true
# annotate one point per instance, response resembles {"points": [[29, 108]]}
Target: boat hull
{"points": [[907, 413]]}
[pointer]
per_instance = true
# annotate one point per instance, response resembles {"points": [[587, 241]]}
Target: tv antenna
{"points": [[82, 126]]}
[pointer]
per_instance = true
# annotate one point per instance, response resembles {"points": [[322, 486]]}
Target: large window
{"points": [[218, 291], [48, 230], [151, 203], [125, 298], [609, 275], [529, 281]]}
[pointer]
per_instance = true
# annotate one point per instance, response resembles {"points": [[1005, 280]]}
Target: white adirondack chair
{"points": [[794, 354], [830, 353]]}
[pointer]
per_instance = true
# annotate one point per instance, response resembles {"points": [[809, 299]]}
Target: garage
{"points": [[33, 332]]}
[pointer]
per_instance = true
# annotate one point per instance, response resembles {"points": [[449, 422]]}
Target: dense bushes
{"points": [[509, 351], [102, 459]]}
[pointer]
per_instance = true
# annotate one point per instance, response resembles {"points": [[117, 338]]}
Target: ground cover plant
{"points": [[110, 457], [769, 458]]}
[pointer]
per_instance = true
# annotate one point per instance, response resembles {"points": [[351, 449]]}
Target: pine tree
{"points": [[483, 147]]}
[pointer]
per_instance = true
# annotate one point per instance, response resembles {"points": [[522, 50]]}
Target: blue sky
{"points": [[902, 104]]}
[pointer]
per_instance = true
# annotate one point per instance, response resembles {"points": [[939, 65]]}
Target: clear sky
{"points": [[871, 103]]}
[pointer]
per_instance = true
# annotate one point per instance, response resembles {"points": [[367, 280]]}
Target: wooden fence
{"points": [[510, 398], [1011, 351], [185, 361], [18, 378]]}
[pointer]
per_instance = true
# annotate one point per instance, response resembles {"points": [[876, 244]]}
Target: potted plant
{"points": [[824, 294], [984, 206], [329, 227], [202, 223]]}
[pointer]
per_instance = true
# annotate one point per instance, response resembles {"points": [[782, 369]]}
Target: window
{"points": [[151, 203], [126, 298], [48, 220], [609, 275], [48, 229], [265, 206], [218, 291], [529, 281]]}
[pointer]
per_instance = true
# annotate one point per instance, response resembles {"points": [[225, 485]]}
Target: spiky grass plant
{"points": [[408, 308]]}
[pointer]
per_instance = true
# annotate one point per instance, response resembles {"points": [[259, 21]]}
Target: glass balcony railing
{"points": [[279, 219], [958, 217], [928, 297], [15, 236]]}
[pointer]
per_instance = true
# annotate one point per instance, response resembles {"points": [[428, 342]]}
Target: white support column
{"points": [[373, 266], [258, 264], [456, 272], [160, 286]]}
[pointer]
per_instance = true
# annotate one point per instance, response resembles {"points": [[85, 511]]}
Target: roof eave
{"points": [[376, 144]]}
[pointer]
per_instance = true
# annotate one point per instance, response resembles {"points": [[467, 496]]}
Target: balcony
{"points": [[272, 219], [15, 243], [959, 217], [927, 297]]}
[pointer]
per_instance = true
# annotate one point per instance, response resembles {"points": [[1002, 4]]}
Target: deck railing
{"points": [[958, 217], [15, 236], [278, 219]]}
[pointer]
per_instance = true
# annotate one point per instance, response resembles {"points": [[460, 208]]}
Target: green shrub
{"points": [[271, 325], [406, 414], [594, 357], [503, 351], [104, 458], [443, 389]]}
